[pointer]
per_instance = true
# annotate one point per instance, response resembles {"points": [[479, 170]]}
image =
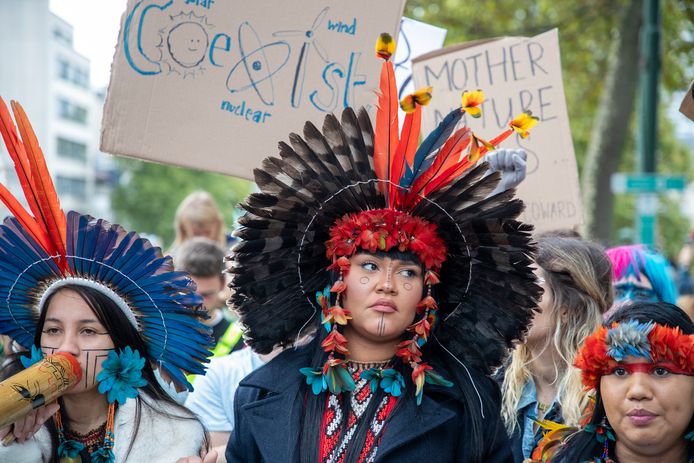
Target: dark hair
{"points": [[583, 446], [200, 257], [122, 334], [434, 354]]}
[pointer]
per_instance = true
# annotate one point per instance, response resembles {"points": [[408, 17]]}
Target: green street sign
{"points": [[646, 183]]}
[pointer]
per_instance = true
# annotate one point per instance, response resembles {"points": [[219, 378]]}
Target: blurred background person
{"points": [[199, 215], [540, 381], [212, 400], [640, 274], [203, 260], [686, 303], [685, 284]]}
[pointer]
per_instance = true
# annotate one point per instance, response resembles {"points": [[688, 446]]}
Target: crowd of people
{"points": [[378, 303]]}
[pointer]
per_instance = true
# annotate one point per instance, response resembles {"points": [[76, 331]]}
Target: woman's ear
{"points": [[564, 313]]}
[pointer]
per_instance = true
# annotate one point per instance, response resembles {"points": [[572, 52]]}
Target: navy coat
{"points": [[269, 404]]}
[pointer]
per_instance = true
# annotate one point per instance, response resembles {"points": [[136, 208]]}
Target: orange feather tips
{"points": [[385, 46], [523, 123], [472, 102], [421, 97]]}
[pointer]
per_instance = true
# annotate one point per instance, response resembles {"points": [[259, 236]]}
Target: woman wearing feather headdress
{"points": [[81, 286], [414, 279], [641, 363]]}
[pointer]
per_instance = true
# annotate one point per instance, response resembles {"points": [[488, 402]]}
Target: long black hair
{"points": [[122, 334], [443, 362], [583, 446]]}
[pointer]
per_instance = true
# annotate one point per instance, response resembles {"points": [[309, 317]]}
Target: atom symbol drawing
{"points": [[256, 68]]}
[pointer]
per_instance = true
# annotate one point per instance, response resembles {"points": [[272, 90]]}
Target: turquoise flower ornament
{"points": [[36, 357], [121, 375]]}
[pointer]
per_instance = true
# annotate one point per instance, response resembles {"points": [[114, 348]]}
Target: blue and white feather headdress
{"points": [[44, 250]]}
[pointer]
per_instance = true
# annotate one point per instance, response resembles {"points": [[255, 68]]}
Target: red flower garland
{"points": [[384, 230]]}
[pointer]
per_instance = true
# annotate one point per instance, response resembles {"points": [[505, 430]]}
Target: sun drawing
{"points": [[184, 44]]}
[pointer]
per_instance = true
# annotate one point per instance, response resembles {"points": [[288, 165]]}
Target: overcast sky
{"points": [[96, 25]]}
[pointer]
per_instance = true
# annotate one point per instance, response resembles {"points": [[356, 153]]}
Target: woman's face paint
{"points": [[649, 405], [72, 327], [382, 295]]}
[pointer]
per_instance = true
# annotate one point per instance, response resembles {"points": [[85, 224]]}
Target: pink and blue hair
{"points": [[637, 259]]}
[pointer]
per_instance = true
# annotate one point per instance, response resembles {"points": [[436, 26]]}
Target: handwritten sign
{"points": [[517, 74], [216, 84], [416, 38]]}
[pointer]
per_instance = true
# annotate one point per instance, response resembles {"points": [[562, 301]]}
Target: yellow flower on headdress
{"points": [[472, 102], [385, 46], [523, 123], [421, 97]]}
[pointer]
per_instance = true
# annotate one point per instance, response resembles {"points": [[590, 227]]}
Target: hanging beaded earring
{"points": [[334, 375], [410, 350], [603, 434]]}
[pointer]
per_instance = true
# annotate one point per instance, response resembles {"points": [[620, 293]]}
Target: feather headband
{"points": [[42, 250], [603, 350]]}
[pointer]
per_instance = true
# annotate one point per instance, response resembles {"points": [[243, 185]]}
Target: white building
{"points": [[50, 79]]}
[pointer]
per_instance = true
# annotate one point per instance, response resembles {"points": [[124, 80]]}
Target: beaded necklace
{"points": [[98, 442]]}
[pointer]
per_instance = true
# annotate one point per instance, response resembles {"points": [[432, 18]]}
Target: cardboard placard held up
{"points": [[687, 106], [216, 84], [516, 74]]}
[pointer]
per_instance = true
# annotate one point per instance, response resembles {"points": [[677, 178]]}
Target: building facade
{"points": [[42, 70]]}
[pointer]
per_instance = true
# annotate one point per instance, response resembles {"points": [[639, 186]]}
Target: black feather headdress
{"points": [[343, 188]]}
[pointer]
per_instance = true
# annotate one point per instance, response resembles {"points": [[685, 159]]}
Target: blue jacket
{"points": [[269, 404]]}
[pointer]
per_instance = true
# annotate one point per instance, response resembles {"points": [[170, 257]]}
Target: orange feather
{"points": [[386, 136], [27, 221], [407, 146], [52, 215], [15, 147], [495, 141]]}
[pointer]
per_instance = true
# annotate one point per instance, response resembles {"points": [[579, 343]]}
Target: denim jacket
{"points": [[524, 439]]}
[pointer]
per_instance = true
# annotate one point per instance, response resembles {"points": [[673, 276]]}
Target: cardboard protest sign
{"points": [[687, 106], [415, 39], [516, 74], [216, 84]]}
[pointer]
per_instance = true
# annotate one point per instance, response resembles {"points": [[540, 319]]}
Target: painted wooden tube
{"points": [[38, 385]]}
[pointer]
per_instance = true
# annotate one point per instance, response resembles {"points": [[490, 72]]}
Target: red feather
{"points": [[404, 154], [15, 147], [27, 221], [51, 214], [495, 141], [455, 171], [386, 136], [447, 158]]}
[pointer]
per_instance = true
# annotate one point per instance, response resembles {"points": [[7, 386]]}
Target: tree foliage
{"points": [[148, 195], [586, 30]]}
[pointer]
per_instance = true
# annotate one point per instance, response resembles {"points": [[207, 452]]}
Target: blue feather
{"points": [[423, 157]]}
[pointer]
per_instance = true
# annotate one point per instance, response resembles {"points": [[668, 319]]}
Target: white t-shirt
{"points": [[213, 398]]}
